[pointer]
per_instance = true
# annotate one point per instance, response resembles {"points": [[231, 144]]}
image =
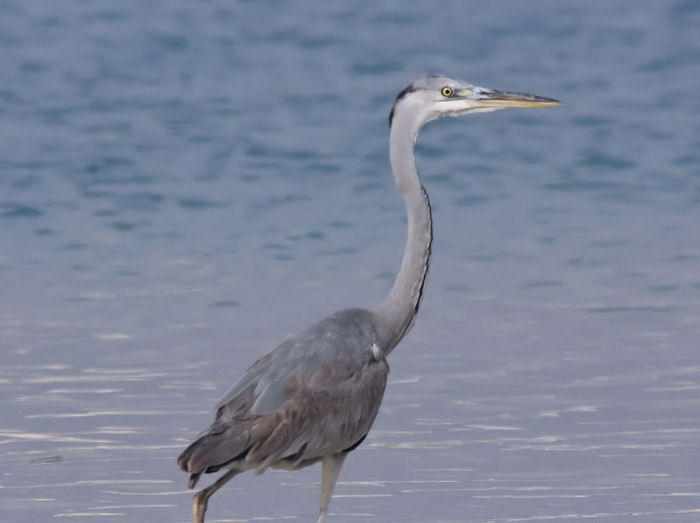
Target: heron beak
{"points": [[491, 98]]}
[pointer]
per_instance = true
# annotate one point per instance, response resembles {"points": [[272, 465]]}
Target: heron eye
{"points": [[447, 91]]}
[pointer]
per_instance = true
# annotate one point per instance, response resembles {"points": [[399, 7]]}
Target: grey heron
{"points": [[315, 396]]}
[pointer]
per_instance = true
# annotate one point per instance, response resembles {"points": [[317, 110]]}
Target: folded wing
{"points": [[316, 394]]}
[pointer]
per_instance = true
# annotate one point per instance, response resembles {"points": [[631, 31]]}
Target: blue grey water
{"points": [[183, 184]]}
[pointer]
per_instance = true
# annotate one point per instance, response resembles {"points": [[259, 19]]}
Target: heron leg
{"points": [[201, 498], [331, 469]]}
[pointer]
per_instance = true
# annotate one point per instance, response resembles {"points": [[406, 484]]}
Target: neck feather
{"points": [[400, 307]]}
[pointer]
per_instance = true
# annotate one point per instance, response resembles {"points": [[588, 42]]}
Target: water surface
{"points": [[183, 185]]}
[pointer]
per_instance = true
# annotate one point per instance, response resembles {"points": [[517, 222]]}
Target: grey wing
{"points": [[316, 394]]}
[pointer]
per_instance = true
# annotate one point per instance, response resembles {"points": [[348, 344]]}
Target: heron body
{"points": [[315, 396]]}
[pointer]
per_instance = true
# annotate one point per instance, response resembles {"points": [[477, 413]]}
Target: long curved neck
{"points": [[400, 307]]}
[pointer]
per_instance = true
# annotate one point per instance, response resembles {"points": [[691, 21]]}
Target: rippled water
{"points": [[184, 184]]}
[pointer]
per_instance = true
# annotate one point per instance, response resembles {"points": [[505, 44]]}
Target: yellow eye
{"points": [[447, 91]]}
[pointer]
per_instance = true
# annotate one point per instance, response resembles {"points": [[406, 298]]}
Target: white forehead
{"points": [[431, 82]]}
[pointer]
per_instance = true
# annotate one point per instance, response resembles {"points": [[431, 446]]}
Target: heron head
{"points": [[432, 96]]}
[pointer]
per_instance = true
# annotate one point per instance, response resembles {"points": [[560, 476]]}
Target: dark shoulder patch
{"points": [[408, 89]]}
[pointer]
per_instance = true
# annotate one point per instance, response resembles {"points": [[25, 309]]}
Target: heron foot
{"points": [[201, 498], [331, 469], [199, 506]]}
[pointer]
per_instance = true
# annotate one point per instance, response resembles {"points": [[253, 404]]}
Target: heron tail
{"points": [[216, 448]]}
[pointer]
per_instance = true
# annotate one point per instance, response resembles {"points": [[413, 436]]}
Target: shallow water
{"points": [[183, 185]]}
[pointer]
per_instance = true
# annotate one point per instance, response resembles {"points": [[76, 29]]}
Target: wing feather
{"points": [[316, 394]]}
